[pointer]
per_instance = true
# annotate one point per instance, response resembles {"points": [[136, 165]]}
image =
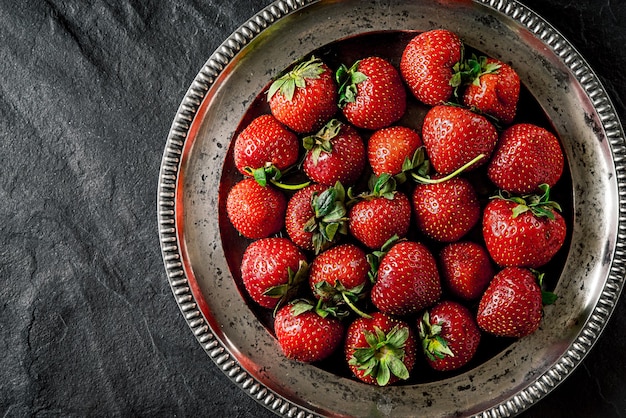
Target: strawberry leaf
{"points": [[397, 367], [286, 292], [301, 306], [384, 355], [539, 205], [347, 79], [548, 298], [329, 221], [296, 78], [433, 344], [322, 140]]}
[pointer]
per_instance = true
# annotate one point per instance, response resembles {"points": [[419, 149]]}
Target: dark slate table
{"points": [[89, 326]]}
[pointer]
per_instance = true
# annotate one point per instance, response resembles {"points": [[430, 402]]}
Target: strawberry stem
{"points": [[291, 187], [271, 173], [352, 306], [428, 180]]}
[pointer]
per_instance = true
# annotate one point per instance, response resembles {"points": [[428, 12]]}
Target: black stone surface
{"points": [[89, 326]]}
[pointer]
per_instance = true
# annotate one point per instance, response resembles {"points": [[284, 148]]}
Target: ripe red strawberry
{"points": [[264, 142], [316, 217], [255, 211], [407, 279], [335, 154], [523, 232], [449, 335], [340, 274], [427, 65], [512, 304], [380, 350], [305, 334], [454, 136], [446, 211], [271, 270], [494, 90], [305, 98], [466, 269], [526, 156], [371, 93], [389, 148], [381, 214]]}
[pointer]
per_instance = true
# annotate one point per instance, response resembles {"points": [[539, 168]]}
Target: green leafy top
{"points": [[286, 292], [547, 297], [296, 78], [321, 308], [433, 344], [322, 140], [330, 220], [539, 205], [269, 173], [384, 355], [374, 258], [347, 79], [469, 71]]}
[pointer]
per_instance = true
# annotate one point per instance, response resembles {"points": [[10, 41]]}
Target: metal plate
{"points": [[233, 336]]}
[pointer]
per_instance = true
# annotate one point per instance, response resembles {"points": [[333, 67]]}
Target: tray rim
{"points": [[172, 253]]}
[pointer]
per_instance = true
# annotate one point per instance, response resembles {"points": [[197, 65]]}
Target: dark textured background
{"points": [[89, 326]]}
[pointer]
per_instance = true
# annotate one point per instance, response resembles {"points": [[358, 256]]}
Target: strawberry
{"points": [[371, 93], [407, 279], [265, 142], [305, 98], [454, 136], [446, 211], [271, 270], [305, 333], [389, 148], [526, 157], [466, 269], [316, 217], [523, 231], [380, 214], [512, 304], [494, 89], [380, 349], [255, 211], [427, 65], [449, 335], [335, 154], [340, 274]]}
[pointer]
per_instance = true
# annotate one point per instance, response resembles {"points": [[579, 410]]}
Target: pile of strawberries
{"points": [[385, 249]]}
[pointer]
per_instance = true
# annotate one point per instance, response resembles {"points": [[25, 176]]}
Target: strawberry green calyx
{"points": [[539, 205], [321, 308], [296, 78], [286, 292], [338, 296], [375, 257], [379, 186], [384, 356], [469, 71], [433, 344], [272, 174], [321, 141], [347, 79], [547, 297], [330, 220]]}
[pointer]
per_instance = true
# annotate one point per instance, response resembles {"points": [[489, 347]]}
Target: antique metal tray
{"points": [[234, 337]]}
